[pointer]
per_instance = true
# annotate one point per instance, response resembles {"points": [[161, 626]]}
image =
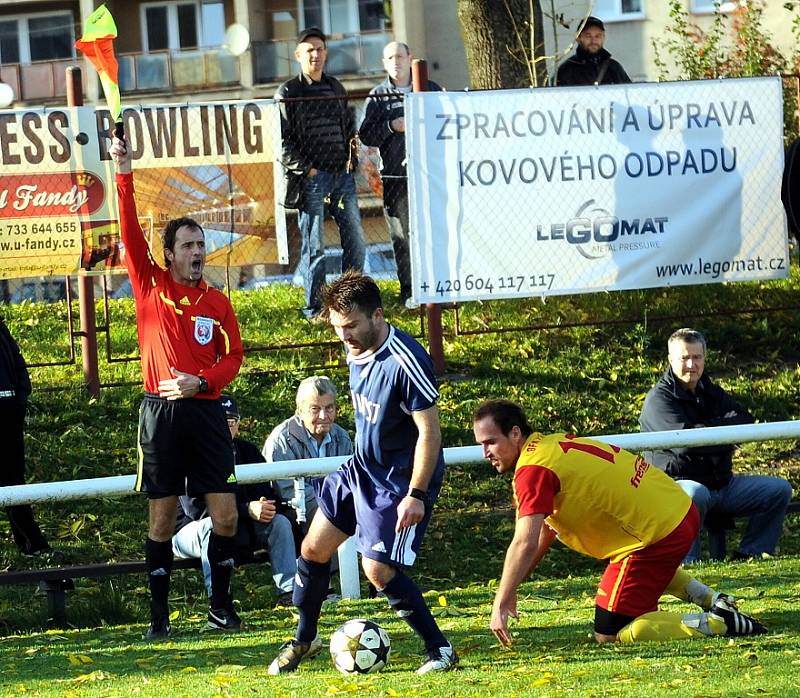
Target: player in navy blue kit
{"points": [[384, 494]]}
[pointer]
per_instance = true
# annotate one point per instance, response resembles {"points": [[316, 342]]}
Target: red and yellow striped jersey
{"points": [[602, 501]]}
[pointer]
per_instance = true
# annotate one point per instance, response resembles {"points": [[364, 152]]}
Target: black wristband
{"points": [[203, 385], [416, 493]]}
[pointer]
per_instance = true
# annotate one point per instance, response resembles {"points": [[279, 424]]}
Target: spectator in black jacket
{"points": [[261, 525], [685, 398], [591, 64], [15, 387], [319, 154], [384, 126]]}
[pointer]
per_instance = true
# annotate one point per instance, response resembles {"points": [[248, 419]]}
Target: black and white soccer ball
{"points": [[360, 647]]}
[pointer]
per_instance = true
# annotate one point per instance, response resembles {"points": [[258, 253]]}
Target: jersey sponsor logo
{"points": [[379, 547], [641, 467], [366, 407], [203, 329]]}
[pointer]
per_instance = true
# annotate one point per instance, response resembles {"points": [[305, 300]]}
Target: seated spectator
{"points": [[685, 398], [311, 433], [261, 526]]}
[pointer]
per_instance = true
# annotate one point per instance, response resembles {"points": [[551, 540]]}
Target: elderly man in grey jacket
{"points": [[311, 433]]}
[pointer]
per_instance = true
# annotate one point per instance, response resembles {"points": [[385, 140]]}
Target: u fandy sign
{"points": [[214, 162], [572, 190]]}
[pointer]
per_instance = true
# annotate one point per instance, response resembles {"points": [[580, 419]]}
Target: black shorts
{"points": [[185, 447]]}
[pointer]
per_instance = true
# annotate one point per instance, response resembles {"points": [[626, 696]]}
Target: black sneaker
{"points": [[284, 600], [292, 653], [224, 619], [736, 623], [159, 629]]}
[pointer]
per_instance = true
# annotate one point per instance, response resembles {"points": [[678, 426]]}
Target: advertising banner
{"points": [[216, 163], [571, 190]]}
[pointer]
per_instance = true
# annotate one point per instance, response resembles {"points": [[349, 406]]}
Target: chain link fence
{"points": [[506, 164]]}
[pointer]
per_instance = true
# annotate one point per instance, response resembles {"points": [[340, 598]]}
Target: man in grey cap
{"points": [[591, 64], [319, 154]]}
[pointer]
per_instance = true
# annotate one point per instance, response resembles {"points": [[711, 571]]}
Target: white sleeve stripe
{"points": [[415, 372]]}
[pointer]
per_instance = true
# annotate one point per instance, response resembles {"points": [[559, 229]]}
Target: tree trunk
{"points": [[497, 39]]}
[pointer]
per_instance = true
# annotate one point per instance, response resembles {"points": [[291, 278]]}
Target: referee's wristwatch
{"points": [[203, 385], [422, 495]]}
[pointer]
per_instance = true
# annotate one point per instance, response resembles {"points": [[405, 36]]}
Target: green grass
{"points": [[590, 379], [553, 654]]}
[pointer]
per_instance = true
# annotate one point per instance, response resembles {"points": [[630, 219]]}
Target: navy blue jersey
{"points": [[387, 385]]}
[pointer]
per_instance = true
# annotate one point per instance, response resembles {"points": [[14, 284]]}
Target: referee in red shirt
{"points": [[191, 349]]}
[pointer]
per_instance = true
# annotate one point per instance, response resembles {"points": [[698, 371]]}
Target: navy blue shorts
{"points": [[357, 505]]}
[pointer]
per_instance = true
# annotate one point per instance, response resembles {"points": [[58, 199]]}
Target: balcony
{"points": [[348, 54], [177, 71], [39, 81]]}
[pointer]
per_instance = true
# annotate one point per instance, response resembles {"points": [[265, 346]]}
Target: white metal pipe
{"points": [[349, 581], [66, 490], [348, 560]]}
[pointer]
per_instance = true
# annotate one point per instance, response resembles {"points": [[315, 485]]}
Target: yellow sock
{"points": [[687, 588], [662, 625]]}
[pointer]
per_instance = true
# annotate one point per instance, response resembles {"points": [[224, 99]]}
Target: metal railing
{"points": [[69, 490]]}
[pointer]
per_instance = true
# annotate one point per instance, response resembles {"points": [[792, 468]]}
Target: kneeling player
{"points": [[609, 504]]}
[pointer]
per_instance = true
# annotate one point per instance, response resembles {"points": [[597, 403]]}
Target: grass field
{"points": [[583, 378]]}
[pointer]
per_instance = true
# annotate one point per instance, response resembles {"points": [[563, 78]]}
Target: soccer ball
{"points": [[360, 647]]}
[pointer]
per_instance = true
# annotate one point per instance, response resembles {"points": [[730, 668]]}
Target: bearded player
{"points": [[384, 494], [611, 505]]}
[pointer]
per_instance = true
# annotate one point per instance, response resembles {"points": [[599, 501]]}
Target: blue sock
{"points": [[310, 589], [406, 600]]}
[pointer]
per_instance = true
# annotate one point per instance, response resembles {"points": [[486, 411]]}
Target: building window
{"points": [[37, 37], [343, 16], [176, 25], [707, 6], [615, 10]]}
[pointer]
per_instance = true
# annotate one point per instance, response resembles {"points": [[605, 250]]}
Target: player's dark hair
{"points": [[171, 230], [506, 415], [350, 291]]}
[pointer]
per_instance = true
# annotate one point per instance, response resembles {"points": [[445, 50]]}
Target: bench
{"points": [[56, 581]]}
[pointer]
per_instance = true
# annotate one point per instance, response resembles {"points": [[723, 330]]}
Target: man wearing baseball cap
{"points": [[319, 155], [591, 64], [261, 525]]}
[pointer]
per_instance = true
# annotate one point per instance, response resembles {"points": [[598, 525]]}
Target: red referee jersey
{"points": [[190, 328]]}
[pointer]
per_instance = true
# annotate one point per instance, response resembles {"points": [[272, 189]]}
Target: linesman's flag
{"points": [[97, 44]]}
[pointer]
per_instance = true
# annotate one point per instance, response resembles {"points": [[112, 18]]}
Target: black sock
{"points": [[310, 589], [406, 600], [158, 556], [221, 550]]}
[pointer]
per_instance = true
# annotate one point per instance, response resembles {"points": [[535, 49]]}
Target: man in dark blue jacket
{"points": [[384, 126], [685, 398]]}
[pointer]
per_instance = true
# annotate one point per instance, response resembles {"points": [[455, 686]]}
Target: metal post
{"points": [[88, 331], [419, 81]]}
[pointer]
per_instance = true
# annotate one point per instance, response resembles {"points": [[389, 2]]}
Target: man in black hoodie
{"points": [[591, 64], [685, 398], [15, 386]]}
